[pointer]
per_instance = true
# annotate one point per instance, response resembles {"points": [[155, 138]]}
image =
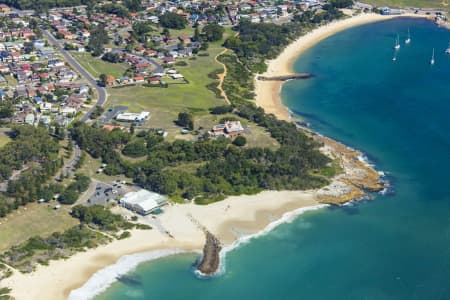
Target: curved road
{"points": [[101, 91]]}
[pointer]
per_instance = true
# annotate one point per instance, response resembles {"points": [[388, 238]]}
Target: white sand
{"points": [[268, 92], [247, 214]]}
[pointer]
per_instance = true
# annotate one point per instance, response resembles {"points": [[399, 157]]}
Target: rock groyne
{"points": [[211, 255], [285, 77]]}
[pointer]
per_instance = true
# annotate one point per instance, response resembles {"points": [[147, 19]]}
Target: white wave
{"points": [[103, 278], [286, 218]]}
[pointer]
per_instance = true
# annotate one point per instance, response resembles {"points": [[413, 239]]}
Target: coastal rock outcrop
{"points": [[357, 176], [211, 255]]}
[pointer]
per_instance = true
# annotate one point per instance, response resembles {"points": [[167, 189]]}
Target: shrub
{"points": [[181, 63], [240, 141]]}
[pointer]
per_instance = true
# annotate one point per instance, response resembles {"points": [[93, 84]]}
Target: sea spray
{"points": [[286, 218], [103, 278]]}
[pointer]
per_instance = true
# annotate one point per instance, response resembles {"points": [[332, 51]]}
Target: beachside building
{"points": [[143, 201], [133, 117], [390, 11]]}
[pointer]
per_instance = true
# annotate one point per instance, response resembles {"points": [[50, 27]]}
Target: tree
{"points": [[341, 3], [102, 80], [222, 109], [111, 57], [213, 32], [173, 21], [69, 196], [196, 34], [240, 141], [185, 120], [165, 32], [98, 39], [97, 112], [133, 5]]}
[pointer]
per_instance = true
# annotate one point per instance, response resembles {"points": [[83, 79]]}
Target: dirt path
{"points": [[222, 77]]}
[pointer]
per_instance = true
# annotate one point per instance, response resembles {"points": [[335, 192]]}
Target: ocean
{"points": [[394, 246]]}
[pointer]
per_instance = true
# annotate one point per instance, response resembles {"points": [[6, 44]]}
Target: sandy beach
{"points": [[268, 92], [228, 220]]}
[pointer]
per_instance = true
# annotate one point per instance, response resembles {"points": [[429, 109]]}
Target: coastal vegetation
{"points": [[97, 225], [39, 250], [223, 168], [257, 42], [33, 220], [33, 155]]}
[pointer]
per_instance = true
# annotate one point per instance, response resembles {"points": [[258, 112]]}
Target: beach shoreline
{"points": [[231, 219], [268, 92]]}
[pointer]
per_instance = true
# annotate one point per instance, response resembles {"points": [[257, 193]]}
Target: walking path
{"points": [[222, 77]]}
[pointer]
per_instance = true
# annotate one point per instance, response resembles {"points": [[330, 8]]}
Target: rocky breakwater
{"points": [[285, 77], [355, 179], [211, 255]]}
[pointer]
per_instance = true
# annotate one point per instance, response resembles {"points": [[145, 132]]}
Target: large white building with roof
{"points": [[143, 201], [133, 117]]}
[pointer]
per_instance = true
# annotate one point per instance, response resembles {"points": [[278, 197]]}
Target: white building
{"points": [[45, 106], [133, 117], [143, 201]]}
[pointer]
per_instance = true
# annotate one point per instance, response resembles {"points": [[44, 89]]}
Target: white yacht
{"points": [[432, 58], [448, 49], [408, 39], [397, 43]]}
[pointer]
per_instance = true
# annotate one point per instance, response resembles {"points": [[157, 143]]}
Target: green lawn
{"points": [[90, 167], [4, 139], [31, 220], [411, 3], [165, 103], [96, 66], [256, 136]]}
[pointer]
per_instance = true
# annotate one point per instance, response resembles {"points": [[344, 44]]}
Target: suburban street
{"points": [[102, 95]]}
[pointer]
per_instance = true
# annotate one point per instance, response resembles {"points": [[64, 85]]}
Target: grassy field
{"points": [[4, 139], [90, 167], [34, 219], [411, 3], [165, 103], [256, 136], [96, 66]]}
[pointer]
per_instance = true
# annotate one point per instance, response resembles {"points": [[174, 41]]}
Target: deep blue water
{"points": [[394, 247]]}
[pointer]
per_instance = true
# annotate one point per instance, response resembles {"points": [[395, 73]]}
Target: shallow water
{"points": [[396, 246]]}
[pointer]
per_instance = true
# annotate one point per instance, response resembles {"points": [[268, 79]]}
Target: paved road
{"points": [[102, 95]]}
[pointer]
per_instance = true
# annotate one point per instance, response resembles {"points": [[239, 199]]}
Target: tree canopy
{"points": [[172, 21], [213, 32]]}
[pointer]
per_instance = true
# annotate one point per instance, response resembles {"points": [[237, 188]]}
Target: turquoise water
{"points": [[394, 247]]}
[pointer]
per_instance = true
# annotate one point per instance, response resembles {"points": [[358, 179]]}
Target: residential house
{"points": [[228, 129]]}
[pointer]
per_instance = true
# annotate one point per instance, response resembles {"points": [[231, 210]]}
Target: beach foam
{"points": [[103, 278], [286, 218]]}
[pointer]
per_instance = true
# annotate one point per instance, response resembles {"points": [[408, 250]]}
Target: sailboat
{"points": [[432, 58], [397, 43], [448, 49], [408, 39]]}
